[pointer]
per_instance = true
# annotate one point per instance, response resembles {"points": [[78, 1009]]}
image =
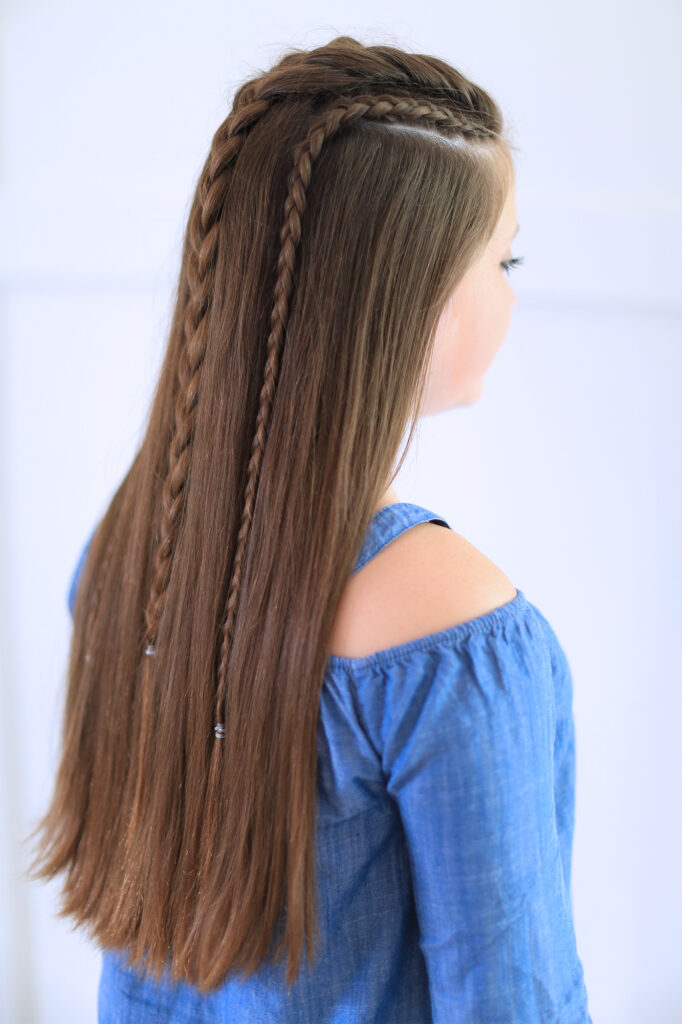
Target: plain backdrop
{"points": [[566, 472]]}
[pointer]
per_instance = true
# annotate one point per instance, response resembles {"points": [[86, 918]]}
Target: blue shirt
{"points": [[446, 781]]}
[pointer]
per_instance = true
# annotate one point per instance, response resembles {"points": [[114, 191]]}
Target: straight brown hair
{"points": [[343, 198]]}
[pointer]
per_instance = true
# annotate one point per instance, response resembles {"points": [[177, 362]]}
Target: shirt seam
{"points": [[514, 610]]}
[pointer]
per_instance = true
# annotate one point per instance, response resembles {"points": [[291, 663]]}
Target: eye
{"points": [[508, 265]]}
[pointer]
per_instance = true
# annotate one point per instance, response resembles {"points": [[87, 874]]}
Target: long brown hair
{"points": [[343, 198]]}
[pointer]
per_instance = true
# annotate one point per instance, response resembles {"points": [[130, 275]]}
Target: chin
{"points": [[471, 396], [462, 398]]}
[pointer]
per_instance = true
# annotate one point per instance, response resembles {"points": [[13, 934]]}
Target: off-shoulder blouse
{"points": [[446, 797]]}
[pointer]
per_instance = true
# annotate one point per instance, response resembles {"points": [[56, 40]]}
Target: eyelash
{"points": [[508, 265]]}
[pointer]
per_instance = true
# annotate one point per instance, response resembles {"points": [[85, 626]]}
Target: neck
{"points": [[388, 498]]}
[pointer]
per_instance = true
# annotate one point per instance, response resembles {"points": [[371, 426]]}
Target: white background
{"points": [[566, 473]]}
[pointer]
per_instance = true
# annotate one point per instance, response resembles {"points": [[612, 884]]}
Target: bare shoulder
{"points": [[427, 579]]}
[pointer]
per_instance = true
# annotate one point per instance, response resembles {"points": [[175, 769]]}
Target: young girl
{"points": [[318, 752]]}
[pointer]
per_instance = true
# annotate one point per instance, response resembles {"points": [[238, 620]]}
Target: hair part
{"points": [[343, 198]]}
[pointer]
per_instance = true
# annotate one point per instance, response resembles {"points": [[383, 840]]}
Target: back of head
{"points": [[343, 197]]}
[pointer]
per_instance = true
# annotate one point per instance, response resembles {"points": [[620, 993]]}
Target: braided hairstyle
{"points": [[238, 848]]}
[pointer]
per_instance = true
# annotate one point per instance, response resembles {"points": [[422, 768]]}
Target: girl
{"points": [[318, 751]]}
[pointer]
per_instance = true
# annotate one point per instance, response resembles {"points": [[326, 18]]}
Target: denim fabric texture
{"points": [[446, 793]]}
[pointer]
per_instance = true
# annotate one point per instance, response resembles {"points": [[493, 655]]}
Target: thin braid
{"points": [[202, 243], [203, 236], [345, 111]]}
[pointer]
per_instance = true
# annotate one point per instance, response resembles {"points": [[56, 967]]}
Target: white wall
{"points": [[566, 473]]}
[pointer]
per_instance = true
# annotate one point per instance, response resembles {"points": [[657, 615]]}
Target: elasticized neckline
{"points": [[513, 610]]}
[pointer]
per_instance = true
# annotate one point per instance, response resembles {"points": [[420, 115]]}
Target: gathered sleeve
{"points": [[470, 741]]}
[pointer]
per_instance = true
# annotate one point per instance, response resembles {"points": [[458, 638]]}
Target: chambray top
{"points": [[446, 775]]}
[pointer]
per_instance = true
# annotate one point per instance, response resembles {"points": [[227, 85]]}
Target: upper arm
{"points": [[468, 758], [427, 579]]}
